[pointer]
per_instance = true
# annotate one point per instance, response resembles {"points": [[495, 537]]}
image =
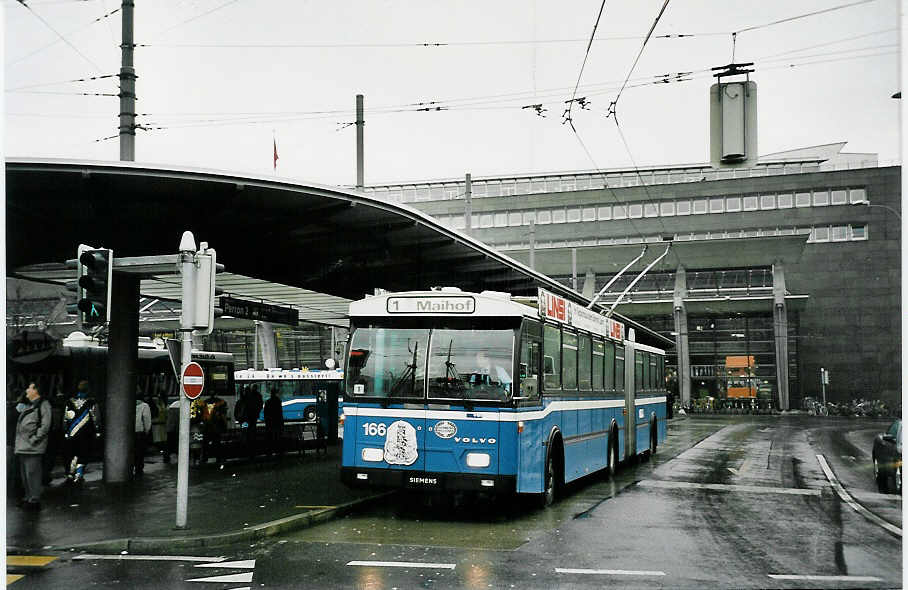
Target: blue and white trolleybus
{"points": [[454, 391]]}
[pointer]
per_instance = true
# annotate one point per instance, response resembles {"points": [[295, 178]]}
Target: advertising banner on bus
{"points": [[561, 310]]}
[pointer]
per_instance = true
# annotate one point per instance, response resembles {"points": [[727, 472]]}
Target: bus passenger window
{"points": [[530, 346], [619, 367], [552, 359], [569, 360]]}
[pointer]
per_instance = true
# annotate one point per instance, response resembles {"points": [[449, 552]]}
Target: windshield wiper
{"points": [[410, 374]]}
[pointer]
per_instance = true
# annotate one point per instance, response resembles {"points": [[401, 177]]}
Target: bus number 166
{"points": [[374, 429]]}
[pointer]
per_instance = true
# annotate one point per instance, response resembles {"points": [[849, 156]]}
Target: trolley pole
{"points": [[187, 314]]}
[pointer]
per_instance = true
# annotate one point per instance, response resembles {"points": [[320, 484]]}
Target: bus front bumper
{"points": [[428, 481]]}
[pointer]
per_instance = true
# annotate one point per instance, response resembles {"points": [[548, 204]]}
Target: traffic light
{"points": [[95, 275]]}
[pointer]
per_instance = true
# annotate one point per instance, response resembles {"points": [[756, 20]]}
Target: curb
{"points": [[152, 545]]}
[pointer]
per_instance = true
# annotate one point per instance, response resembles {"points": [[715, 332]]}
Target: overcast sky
{"points": [[224, 76]]}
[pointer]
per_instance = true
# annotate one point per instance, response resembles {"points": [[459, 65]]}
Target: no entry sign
{"points": [[193, 380]]}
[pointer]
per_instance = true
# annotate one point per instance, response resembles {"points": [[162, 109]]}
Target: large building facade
{"points": [[793, 263]]}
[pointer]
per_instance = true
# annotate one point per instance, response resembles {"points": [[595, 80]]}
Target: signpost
{"points": [[193, 380], [252, 310], [197, 268]]}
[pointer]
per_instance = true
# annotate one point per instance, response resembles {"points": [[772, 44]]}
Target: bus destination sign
{"points": [[454, 304], [253, 310]]}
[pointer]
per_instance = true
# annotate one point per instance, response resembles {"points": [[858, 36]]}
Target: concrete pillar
{"points": [[265, 335], [780, 333], [119, 410], [682, 348], [574, 269], [589, 284]]}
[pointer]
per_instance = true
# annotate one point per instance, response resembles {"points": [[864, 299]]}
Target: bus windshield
{"points": [[462, 364], [387, 362], [471, 364]]}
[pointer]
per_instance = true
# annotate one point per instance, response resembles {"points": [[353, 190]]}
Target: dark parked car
{"points": [[887, 459]]}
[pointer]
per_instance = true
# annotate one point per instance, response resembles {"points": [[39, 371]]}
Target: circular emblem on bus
{"points": [[445, 429]]}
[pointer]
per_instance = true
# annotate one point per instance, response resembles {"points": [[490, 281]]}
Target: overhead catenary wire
{"points": [[570, 103], [74, 80], [195, 18], [614, 103], [60, 37]]}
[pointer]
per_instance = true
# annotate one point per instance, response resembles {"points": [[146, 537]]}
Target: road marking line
{"points": [[846, 497], [151, 557], [315, 507], [568, 570], [10, 578], [413, 564], [244, 578], [720, 487], [29, 560], [825, 578], [248, 563]]}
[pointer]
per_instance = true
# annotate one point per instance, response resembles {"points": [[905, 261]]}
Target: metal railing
{"points": [[590, 180]]}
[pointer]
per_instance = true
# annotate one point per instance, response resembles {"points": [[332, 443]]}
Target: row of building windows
{"points": [[818, 233], [440, 191], [667, 208]]}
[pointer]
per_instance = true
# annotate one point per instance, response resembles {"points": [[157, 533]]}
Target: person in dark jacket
{"points": [[81, 426], [274, 422], [252, 407], [32, 429]]}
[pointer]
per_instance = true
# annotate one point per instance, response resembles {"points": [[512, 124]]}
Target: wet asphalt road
{"points": [[728, 502]]}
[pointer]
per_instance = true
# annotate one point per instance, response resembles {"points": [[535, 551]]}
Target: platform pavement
{"points": [[242, 501]]}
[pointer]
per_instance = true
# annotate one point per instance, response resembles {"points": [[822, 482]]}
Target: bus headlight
{"points": [[373, 455], [478, 460]]}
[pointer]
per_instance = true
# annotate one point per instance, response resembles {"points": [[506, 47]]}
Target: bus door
{"points": [[630, 398], [462, 440]]}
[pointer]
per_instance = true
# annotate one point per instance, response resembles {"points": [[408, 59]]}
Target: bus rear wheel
{"points": [[309, 414]]}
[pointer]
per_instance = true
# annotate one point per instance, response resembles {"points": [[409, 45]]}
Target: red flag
{"points": [[275, 153]]}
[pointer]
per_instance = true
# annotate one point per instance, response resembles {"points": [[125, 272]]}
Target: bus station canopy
{"points": [[282, 241]]}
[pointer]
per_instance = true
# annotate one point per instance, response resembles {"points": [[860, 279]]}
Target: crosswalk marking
{"points": [[29, 560], [248, 563], [811, 578], [408, 564], [242, 578], [127, 557], [567, 570], [10, 578]]}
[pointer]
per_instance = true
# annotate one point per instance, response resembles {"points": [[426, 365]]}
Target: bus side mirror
{"points": [[548, 365]]}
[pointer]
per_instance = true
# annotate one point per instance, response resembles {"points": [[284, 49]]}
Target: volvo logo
{"points": [[445, 429], [475, 441]]}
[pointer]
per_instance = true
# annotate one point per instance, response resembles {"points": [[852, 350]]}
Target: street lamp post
{"points": [[868, 204]]}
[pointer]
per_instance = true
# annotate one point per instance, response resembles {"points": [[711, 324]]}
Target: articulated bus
{"points": [[299, 389], [454, 391]]}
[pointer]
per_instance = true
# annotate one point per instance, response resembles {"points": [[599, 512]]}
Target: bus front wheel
{"points": [[548, 485], [309, 414]]}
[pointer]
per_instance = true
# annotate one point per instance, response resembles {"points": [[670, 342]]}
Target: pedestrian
{"points": [[81, 426], [13, 484], [158, 407], [214, 425], [143, 430], [252, 407], [173, 429], [274, 422], [55, 438], [32, 429]]}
